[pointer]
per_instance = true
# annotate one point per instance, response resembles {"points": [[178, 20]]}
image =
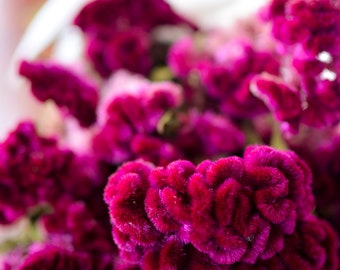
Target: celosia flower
{"points": [[225, 79], [205, 135], [311, 246], [308, 34], [232, 210], [315, 25], [70, 92], [34, 170], [119, 32], [321, 151], [104, 18], [285, 103], [29, 164], [55, 258], [230, 213], [130, 115]]}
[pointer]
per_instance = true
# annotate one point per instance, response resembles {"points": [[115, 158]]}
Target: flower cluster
{"points": [[308, 38], [173, 162], [65, 188]]}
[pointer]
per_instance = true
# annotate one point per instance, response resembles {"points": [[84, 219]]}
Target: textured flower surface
{"points": [[232, 210]]}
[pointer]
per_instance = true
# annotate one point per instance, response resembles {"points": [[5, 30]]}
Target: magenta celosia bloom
{"points": [[128, 50], [69, 91], [313, 24], [308, 42], [232, 210], [55, 258], [184, 55], [129, 127], [321, 151], [224, 77], [285, 103], [119, 32], [35, 170], [205, 135], [103, 18], [183, 186], [28, 166], [311, 246]]}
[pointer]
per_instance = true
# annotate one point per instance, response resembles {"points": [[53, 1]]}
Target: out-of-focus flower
{"points": [[70, 92]]}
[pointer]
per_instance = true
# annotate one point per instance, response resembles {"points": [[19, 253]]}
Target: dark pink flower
{"points": [[103, 18], [55, 258], [313, 245], [232, 210], [130, 125], [207, 134], [29, 164], [69, 91], [119, 32], [285, 103], [128, 50]]}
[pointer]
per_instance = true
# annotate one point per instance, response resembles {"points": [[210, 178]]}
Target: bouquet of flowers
{"points": [[181, 148]]}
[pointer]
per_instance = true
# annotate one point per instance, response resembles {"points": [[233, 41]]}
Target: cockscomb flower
{"points": [[119, 33], [70, 92], [313, 245], [225, 77], [92, 240], [28, 166], [103, 18], [232, 210], [56, 258], [36, 170], [207, 135], [130, 121], [320, 149], [315, 25], [308, 43], [129, 49], [285, 103]]}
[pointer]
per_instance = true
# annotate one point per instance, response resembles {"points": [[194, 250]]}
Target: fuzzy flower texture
{"points": [[168, 156]]}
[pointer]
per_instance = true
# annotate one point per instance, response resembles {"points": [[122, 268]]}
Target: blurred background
{"points": [[28, 26]]}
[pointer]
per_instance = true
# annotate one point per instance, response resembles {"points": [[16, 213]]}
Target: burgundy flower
{"points": [[128, 50], [284, 102], [103, 18], [225, 72], [55, 258], [206, 135], [119, 32], [183, 56], [70, 92], [29, 164], [313, 24], [131, 121], [232, 210], [307, 33], [313, 245], [320, 149]]}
